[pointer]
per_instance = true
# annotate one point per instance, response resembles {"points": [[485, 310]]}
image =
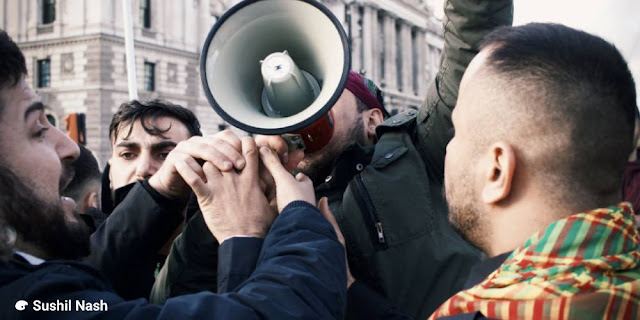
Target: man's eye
{"points": [[41, 133], [163, 155], [128, 155]]}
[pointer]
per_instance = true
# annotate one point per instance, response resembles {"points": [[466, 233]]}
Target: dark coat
{"points": [[299, 274]]}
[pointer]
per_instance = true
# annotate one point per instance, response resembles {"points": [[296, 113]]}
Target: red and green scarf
{"points": [[586, 266]]}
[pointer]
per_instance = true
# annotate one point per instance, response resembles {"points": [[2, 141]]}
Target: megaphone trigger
{"points": [[294, 141]]}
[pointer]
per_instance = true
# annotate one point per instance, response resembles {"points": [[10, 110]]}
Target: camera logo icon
{"points": [[21, 305]]}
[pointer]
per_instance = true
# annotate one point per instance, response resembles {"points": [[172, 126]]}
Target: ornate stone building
{"points": [[76, 57]]}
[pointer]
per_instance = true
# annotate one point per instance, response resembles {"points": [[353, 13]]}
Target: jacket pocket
{"points": [[369, 214]]}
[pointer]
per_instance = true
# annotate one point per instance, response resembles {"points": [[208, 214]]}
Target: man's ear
{"points": [[498, 173], [91, 200], [372, 118]]}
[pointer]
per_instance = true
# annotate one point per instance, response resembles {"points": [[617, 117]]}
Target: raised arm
{"points": [[465, 24]]}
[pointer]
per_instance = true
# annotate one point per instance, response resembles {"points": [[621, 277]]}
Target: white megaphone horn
{"points": [[277, 67]]}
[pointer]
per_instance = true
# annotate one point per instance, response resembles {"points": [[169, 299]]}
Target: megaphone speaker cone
{"points": [[250, 32]]}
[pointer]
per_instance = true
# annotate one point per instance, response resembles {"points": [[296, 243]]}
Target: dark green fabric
{"points": [[188, 267], [394, 221], [402, 244]]}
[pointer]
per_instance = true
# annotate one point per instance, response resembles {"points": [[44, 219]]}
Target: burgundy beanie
{"points": [[365, 90]]}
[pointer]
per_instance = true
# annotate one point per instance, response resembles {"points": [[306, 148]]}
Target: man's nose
{"points": [[67, 149], [146, 167]]}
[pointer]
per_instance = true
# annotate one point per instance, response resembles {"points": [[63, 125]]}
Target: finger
{"points": [[275, 143], [295, 157], [250, 154], [197, 148], [272, 163], [230, 152], [301, 177], [211, 173], [191, 178], [195, 166], [323, 206], [231, 138]]}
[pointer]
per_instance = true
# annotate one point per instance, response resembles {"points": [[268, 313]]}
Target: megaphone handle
{"points": [[294, 141]]}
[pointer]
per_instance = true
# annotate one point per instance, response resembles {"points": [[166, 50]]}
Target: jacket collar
{"points": [[349, 163]]}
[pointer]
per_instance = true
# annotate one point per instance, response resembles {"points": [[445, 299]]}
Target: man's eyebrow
{"points": [[34, 107], [163, 145], [128, 144]]}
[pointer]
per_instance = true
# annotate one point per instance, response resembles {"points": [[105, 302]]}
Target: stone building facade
{"points": [[76, 55]]}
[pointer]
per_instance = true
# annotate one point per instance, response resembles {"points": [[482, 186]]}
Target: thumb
{"points": [[273, 164]]}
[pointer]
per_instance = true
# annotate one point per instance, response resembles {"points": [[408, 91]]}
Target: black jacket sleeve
{"points": [[125, 246], [300, 274]]}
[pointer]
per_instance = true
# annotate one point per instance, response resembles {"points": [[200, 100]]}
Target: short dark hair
{"points": [[134, 110], [582, 88], [86, 171], [12, 64]]}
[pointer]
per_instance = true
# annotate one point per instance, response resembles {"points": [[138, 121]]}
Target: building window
{"points": [[44, 73], [145, 13], [149, 76], [48, 11]]}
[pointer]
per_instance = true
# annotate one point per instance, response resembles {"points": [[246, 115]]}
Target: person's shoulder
{"points": [[403, 120], [70, 275]]}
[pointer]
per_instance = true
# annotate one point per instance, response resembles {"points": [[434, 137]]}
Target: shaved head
{"points": [[564, 99], [543, 123]]}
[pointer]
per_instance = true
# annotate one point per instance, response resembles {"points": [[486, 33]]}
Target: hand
{"points": [[223, 150], [323, 206], [231, 202], [289, 159], [288, 188]]}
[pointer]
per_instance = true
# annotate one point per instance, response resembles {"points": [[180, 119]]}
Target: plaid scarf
{"points": [[586, 266]]}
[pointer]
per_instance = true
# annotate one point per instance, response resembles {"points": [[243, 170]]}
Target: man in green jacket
{"points": [[384, 181]]}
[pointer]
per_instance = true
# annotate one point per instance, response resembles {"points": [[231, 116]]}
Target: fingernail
{"points": [[227, 165], [240, 163], [285, 157]]}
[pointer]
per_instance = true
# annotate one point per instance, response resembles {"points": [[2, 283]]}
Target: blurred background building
{"points": [[76, 55]]}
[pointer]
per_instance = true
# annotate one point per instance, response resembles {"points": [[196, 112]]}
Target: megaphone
{"points": [[277, 67]]}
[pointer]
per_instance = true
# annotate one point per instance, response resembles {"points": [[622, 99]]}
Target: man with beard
{"points": [[300, 273], [384, 181], [544, 126]]}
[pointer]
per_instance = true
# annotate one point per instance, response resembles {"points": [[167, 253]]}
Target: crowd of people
{"points": [[504, 196]]}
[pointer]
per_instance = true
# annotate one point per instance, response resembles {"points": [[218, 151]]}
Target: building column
{"points": [[368, 47], [407, 58], [390, 52], [356, 37], [422, 63]]}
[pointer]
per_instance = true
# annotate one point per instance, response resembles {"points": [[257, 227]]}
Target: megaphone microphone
{"points": [[289, 90], [277, 67]]}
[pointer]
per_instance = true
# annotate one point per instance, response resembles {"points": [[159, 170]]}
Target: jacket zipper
{"points": [[369, 212]]}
